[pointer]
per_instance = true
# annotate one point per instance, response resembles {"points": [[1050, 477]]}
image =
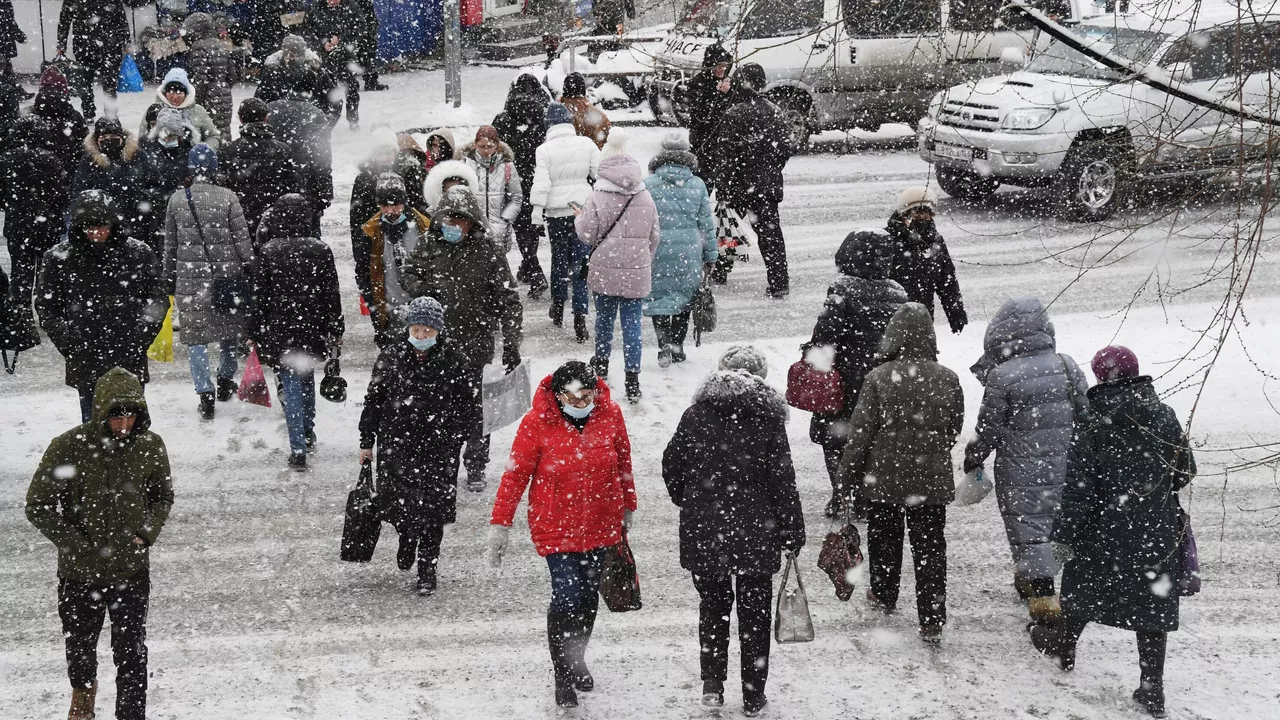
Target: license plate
{"points": [[953, 152]]}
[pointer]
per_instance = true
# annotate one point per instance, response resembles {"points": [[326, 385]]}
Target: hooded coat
{"points": [[499, 188], [566, 165], [922, 265], [522, 124], [259, 169], [194, 257], [303, 78], [193, 114], [853, 319], [92, 494], [305, 130], [123, 179], [33, 188], [728, 468], [433, 188], [909, 412], [1032, 399], [621, 261], [67, 127], [213, 67], [419, 409], [751, 147], [1120, 510], [687, 232], [579, 481], [470, 279], [296, 305], [101, 304]]}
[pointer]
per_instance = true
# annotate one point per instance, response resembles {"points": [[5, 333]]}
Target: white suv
{"points": [[1071, 122]]}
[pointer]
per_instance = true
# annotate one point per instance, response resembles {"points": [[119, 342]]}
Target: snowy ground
{"points": [[253, 616]]}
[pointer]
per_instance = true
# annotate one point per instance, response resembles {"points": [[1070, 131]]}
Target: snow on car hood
{"points": [[1025, 89]]}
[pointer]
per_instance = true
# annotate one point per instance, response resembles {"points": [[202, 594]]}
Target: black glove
{"points": [[971, 464], [333, 368], [791, 544], [510, 357], [958, 320]]}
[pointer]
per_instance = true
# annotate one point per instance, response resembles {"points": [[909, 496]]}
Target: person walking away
{"points": [[422, 403], [335, 29], [367, 47], [620, 225], [112, 164], [258, 168], [294, 62], [573, 453], [522, 124], [751, 148], [455, 263], [910, 406], [444, 175], [1033, 395], [566, 165], [177, 92], [849, 329], [67, 125], [101, 495], [164, 153], [213, 67], [589, 121], [1120, 529], [709, 97], [206, 239], [99, 297], [11, 36], [306, 131], [97, 31], [390, 236], [686, 245], [728, 468], [922, 263], [499, 184], [33, 193], [295, 318]]}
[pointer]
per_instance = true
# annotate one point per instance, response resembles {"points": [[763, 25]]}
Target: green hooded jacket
{"points": [[92, 495], [909, 412]]}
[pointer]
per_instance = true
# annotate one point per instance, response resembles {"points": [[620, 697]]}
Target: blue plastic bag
{"points": [[130, 79]]}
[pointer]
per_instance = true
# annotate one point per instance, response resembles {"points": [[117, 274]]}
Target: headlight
{"points": [[935, 105], [1027, 118]]}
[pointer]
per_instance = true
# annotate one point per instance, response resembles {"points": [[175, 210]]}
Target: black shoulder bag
{"points": [[229, 294]]}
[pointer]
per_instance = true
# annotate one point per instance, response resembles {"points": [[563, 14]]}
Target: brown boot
{"points": [[82, 703], [1045, 610]]}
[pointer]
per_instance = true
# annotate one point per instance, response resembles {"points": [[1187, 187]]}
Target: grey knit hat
{"points": [[425, 311], [744, 357]]}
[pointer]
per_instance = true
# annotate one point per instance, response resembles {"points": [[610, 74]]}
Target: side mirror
{"points": [[1013, 56]]}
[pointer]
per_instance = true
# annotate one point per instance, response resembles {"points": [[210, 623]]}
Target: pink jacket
{"points": [[621, 264]]}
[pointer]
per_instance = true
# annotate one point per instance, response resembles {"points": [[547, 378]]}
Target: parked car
{"points": [[1092, 132]]}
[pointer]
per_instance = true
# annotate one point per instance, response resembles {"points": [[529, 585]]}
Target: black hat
{"points": [[568, 373], [715, 55], [107, 126], [390, 190], [752, 76], [252, 110], [92, 208], [575, 86]]}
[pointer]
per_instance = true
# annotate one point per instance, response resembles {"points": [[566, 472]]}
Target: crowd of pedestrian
{"points": [[182, 218]]}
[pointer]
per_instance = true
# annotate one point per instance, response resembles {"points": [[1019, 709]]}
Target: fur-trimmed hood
{"points": [[683, 158], [180, 76], [742, 392], [94, 153], [504, 151], [433, 188]]}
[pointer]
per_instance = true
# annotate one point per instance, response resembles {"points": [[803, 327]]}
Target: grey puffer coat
{"points": [[195, 256], [213, 67], [1033, 396]]}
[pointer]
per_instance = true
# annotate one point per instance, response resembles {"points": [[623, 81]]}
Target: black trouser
{"points": [[1151, 647], [429, 548], [475, 457], [925, 525], [773, 250], [26, 256], [832, 452], [338, 63], [82, 607], [528, 237], [100, 62], [671, 329], [754, 595]]}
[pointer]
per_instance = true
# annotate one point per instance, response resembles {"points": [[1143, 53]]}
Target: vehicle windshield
{"points": [[714, 15], [753, 18], [1058, 59]]}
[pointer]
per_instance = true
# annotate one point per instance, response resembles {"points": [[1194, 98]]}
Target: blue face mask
{"points": [[395, 220], [170, 143], [422, 345], [578, 413], [451, 233]]}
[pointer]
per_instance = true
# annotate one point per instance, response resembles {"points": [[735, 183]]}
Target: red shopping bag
{"points": [[364, 308], [253, 385]]}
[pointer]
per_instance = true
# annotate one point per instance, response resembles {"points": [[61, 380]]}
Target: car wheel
{"points": [[795, 108], [965, 184], [1091, 181]]}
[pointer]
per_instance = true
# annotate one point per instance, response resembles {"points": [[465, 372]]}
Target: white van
{"points": [[1071, 122], [838, 64]]}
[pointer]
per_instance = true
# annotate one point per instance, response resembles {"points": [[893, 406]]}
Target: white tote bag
{"points": [[791, 621], [972, 488], [506, 397]]}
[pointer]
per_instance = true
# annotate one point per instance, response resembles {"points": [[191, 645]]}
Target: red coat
{"points": [[581, 480]]}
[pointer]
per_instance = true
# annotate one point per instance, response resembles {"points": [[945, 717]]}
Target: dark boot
{"points": [[1054, 642], [82, 701], [558, 625], [371, 83], [206, 406], [753, 703], [407, 553], [582, 679], [537, 284], [1151, 652], [633, 387], [426, 579], [580, 328], [600, 366], [556, 313], [226, 389], [1150, 695], [298, 461], [677, 353], [712, 693]]}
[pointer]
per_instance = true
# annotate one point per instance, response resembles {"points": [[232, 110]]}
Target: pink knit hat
{"points": [[1114, 362]]}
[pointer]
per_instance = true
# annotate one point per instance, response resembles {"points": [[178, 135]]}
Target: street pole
{"points": [[453, 52]]}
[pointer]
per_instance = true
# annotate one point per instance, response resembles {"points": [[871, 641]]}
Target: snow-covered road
{"points": [[253, 616]]}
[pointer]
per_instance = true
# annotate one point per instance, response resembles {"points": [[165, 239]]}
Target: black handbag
{"points": [[229, 294], [703, 309], [619, 579], [333, 387], [362, 527]]}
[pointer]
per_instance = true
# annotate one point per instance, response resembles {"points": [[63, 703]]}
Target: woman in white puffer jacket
{"points": [[567, 163]]}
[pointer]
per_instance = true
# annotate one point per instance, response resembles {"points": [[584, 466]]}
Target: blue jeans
{"points": [[298, 394], [567, 254], [629, 308], [198, 355], [575, 579]]}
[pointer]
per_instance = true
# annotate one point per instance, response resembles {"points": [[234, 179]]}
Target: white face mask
{"points": [[578, 413]]}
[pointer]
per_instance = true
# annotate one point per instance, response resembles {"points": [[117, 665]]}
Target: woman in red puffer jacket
{"points": [[573, 454]]}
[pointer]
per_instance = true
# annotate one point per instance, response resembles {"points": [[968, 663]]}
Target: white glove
{"points": [[497, 544], [626, 519], [535, 218], [1062, 552]]}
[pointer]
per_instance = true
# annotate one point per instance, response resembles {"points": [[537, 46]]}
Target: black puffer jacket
{"points": [[707, 105], [305, 131], [522, 124], [122, 179], [859, 305], [749, 151], [100, 303], [259, 169], [33, 188], [728, 468], [67, 125], [418, 410], [922, 265], [1120, 511], [296, 305], [164, 170]]}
